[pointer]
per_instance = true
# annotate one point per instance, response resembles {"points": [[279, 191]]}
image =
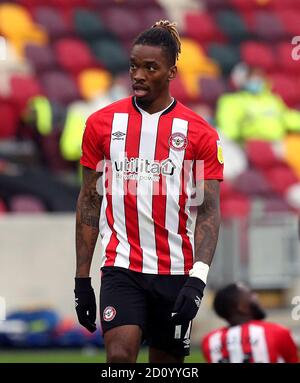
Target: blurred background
{"points": [[60, 60]]}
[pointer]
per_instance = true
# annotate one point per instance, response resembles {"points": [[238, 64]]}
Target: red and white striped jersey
{"points": [[145, 222], [256, 341]]}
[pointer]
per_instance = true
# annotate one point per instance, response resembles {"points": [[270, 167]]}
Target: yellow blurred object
{"points": [[292, 150], [193, 59], [263, 2], [18, 27], [271, 299], [40, 107], [71, 138], [93, 82], [193, 64]]}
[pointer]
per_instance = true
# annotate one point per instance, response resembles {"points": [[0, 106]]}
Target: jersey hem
{"points": [[218, 178], [148, 272]]}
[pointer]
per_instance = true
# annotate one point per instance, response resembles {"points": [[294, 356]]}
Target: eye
{"points": [[132, 66], [151, 68]]}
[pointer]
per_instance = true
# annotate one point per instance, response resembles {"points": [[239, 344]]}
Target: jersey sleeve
{"points": [[209, 152], [288, 347], [92, 153]]}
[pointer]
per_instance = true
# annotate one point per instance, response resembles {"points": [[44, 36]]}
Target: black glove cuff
{"points": [[83, 284], [197, 284]]}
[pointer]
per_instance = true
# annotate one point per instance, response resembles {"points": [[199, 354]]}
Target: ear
{"points": [[243, 307], [172, 72]]}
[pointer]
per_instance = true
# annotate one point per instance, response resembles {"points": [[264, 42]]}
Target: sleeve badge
{"points": [[220, 152]]}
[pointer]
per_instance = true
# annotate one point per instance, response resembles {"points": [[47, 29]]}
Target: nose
{"points": [[139, 75]]}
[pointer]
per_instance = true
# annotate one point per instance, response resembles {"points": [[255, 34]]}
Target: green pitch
{"points": [[75, 356]]}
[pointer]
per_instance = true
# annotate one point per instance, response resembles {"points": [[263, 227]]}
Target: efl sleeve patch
{"points": [[220, 152]]}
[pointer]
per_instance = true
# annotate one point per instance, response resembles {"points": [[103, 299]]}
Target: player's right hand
{"points": [[85, 303]]}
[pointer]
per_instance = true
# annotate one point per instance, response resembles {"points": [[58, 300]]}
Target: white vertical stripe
{"points": [[215, 347], [258, 343], [190, 223], [144, 194], [234, 344], [173, 184], [117, 152], [104, 230]]}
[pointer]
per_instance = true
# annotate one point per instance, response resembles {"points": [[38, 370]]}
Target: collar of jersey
{"points": [[159, 113]]}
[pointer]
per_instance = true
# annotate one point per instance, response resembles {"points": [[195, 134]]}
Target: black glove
{"points": [[188, 301], [85, 303]]}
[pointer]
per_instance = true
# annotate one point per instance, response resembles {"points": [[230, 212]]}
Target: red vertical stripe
{"points": [[159, 199], [270, 342], [224, 349], [111, 248], [246, 346], [205, 349], [130, 197]]}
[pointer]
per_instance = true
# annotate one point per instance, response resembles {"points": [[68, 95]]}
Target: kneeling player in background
{"points": [[248, 338]]}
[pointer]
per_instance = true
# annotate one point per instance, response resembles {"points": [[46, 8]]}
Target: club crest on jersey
{"points": [[178, 141], [220, 152], [109, 313]]}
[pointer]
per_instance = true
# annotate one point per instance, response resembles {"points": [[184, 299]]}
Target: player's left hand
{"points": [[188, 301], [85, 303]]}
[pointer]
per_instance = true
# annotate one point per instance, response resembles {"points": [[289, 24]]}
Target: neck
{"points": [[239, 319], [156, 105]]}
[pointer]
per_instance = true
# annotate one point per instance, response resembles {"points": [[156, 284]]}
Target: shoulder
{"points": [[271, 326], [121, 106], [197, 124], [210, 334]]}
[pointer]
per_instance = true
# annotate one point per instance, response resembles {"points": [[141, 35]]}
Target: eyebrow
{"points": [[147, 61]]}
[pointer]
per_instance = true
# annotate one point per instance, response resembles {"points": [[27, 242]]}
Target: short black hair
{"points": [[164, 34], [226, 300]]}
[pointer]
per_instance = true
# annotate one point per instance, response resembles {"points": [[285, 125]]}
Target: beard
{"points": [[258, 312]]}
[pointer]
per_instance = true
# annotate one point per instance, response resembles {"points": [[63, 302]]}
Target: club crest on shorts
{"points": [[178, 141], [109, 313]]}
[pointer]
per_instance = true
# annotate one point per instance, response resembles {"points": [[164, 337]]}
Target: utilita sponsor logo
{"points": [[142, 166]]}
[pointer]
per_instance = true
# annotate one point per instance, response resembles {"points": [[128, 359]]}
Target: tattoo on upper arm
{"points": [[207, 223], [90, 201]]}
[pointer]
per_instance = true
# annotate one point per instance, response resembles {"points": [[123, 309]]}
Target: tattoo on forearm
{"points": [[208, 223], [87, 222], [88, 219]]}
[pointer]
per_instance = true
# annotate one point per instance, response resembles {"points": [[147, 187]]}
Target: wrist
{"points": [[83, 283], [197, 284], [200, 271]]}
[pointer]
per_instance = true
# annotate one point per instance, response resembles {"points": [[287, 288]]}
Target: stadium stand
{"points": [[26, 204], [75, 51], [52, 21]]}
